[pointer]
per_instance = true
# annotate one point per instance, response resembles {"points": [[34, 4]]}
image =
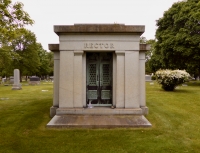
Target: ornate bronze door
{"points": [[99, 79]]}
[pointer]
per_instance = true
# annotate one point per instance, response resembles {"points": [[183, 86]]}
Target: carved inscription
{"points": [[98, 45]]}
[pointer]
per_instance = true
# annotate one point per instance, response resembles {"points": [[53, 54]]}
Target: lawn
{"points": [[175, 118]]}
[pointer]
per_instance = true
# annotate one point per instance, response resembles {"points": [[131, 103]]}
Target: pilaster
{"points": [[119, 84], [55, 49], [56, 79], [84, 79], [66, 84], [142, 78], [78, 79], [132, 94]]}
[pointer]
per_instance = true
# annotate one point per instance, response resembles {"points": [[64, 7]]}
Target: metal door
{"points": [[99, 79]]}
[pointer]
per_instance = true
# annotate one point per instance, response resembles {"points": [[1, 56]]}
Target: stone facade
{"points": [[70, 69]]}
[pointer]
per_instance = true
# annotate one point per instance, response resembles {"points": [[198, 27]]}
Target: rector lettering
{"points": [[98, 45]]}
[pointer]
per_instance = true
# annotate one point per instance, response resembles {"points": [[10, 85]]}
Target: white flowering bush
{"points": [[169, 79]]}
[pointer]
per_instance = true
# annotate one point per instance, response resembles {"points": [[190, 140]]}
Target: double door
{"points": [[99, 79]]}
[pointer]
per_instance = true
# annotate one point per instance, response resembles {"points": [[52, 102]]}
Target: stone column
{"points": [[78, 79], [66, 84], [142, 89], [55, 49], [56, 78], [84, 79], [120, 70], [114, 80], [132, 79], [55, 84], [16, 85]]}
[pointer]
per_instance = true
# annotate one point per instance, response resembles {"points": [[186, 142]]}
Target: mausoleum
{"points": [[99, 69]]}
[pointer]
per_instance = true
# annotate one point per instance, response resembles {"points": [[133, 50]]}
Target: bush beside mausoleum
{"points": [[169, 79]]}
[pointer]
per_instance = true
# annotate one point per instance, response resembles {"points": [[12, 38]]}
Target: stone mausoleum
{"points": [[99, 74]]}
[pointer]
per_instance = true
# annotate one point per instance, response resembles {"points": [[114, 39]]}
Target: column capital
{"points": [[120, 52], [54, 47], [78, 52]]}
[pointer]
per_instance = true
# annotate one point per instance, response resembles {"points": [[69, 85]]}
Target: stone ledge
{"points": [[53, 47], [99, 121], [98, 111], [99, 28], [145, 47]]}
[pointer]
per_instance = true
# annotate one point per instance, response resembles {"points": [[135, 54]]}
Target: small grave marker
{"points": [[16, 85], [34, 80]]}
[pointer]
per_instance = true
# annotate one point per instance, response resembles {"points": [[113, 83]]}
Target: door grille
{"points": [[106, 74], [92, 74]]}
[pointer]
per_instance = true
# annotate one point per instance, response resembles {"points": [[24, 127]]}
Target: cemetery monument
{"points": [[16, 85], [102, 66]]}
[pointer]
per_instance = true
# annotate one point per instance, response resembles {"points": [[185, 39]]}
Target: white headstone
{"points": [[16, 85], [148, 78]]}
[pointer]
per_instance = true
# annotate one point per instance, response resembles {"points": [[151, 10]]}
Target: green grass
{"points": [[175, 117]]}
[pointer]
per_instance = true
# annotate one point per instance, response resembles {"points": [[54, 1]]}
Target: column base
{"points": [[53, 111], [16, 87], [145, 110]]}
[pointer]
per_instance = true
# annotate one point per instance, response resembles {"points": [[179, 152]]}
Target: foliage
{"points": [[5, 60], [46, 62], [18, 46], [12, 17], [148, 54], [143, 40], [151, 65], [169, 79], [174, 116], [178, 38], [153, 77], [25, 48], [25, 54]]}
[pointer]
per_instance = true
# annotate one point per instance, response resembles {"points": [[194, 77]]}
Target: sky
{"points": [[47, 13]]}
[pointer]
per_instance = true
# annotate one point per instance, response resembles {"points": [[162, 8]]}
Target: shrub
{"points": [[169, 79], [153, 77]]}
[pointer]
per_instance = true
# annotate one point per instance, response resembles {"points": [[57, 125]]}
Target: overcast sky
{"points": [[47, 13]]}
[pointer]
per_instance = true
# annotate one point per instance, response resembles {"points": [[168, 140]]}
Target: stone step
{"points": [[98, 111], [98, 121]]}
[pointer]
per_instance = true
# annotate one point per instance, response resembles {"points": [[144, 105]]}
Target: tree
{"points": [[26, 57], [143, 40], [12, 17], [46, 60], [152, 62], [178, 38], [5, 61]]}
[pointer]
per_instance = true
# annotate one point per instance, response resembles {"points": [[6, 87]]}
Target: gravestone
{"points": [[34, 80], [148, 78], [16, 85], [3, 80], [11, 80], [51, 78]]}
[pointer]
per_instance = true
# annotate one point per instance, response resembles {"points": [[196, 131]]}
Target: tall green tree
{"points": [[26, 57], [12, 17], [178, 37], [46, 60], [152, 63]]}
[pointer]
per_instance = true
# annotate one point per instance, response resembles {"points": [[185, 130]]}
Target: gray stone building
{"points": [[99, 69]]}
